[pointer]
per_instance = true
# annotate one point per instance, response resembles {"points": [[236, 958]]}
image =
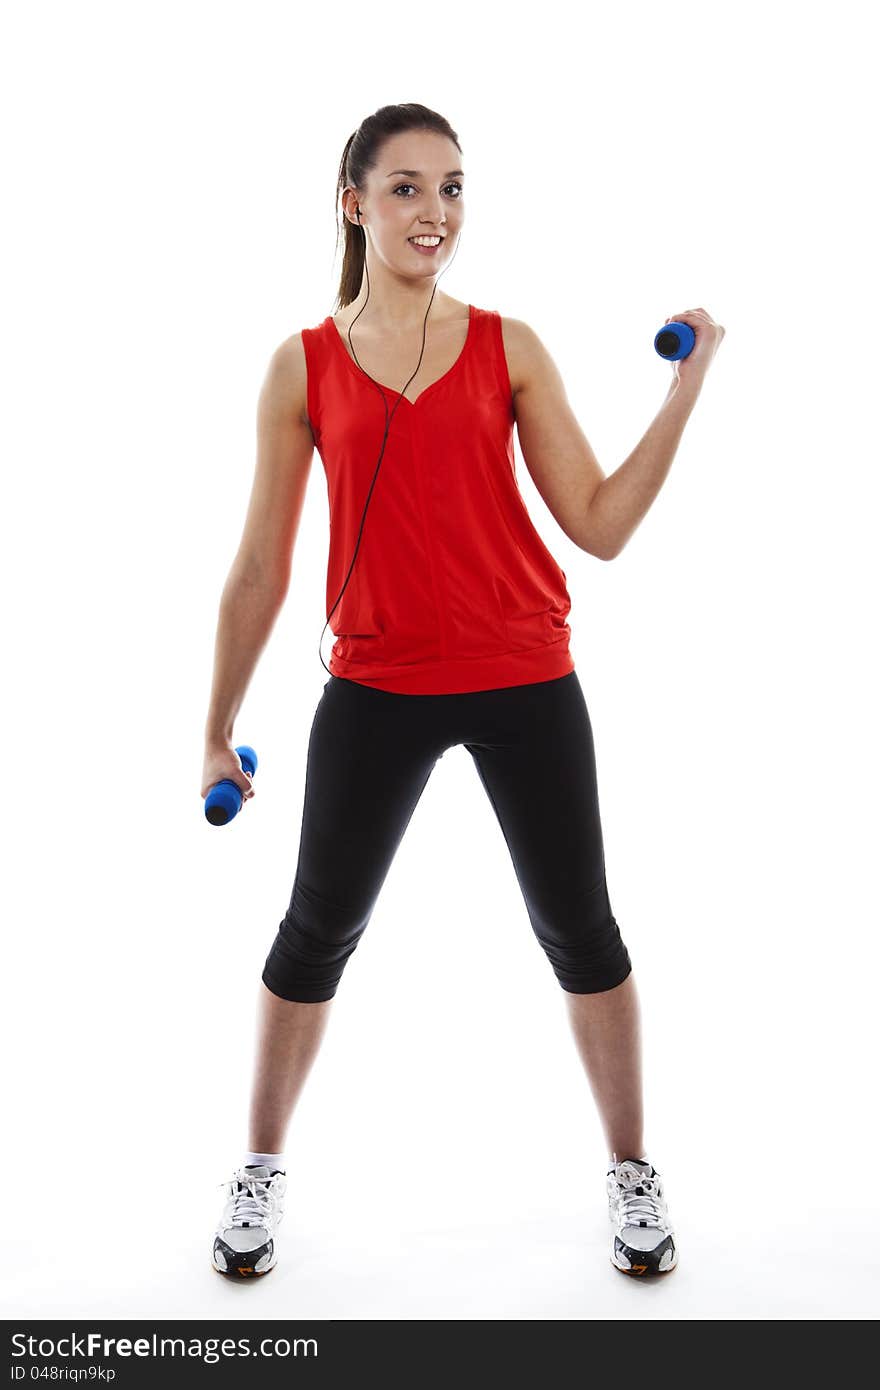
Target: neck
{"points": [[395, 305]]}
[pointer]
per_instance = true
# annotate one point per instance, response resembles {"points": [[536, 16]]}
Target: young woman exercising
{"points": [[451, 629]]}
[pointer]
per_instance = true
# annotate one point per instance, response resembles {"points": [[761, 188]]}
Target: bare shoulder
{"points": [[522, 348], [285, 388]]}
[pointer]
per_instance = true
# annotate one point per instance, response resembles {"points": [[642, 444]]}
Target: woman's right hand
{"points": [[221, 760]]}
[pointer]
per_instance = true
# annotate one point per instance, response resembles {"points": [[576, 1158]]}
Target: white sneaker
{"points": [[244, 1243], [644, 1241]]}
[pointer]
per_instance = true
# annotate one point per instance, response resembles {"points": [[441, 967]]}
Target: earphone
{"points": [[388, 420]]}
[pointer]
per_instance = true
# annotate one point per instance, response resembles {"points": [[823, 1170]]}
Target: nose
{"points": [[433, 217]]}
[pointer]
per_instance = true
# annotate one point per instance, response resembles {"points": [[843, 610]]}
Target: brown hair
{"points": [[359, 157]]}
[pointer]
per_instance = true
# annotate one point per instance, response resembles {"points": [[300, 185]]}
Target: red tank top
{"points": [[453, 589]]}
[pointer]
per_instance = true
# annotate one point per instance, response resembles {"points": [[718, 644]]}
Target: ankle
{"points": [[253, 1159]]}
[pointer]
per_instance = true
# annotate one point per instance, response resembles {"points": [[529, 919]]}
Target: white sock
{"points": [[253, 1160]]}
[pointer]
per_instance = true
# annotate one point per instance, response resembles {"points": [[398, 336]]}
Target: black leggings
{"points": [[370, 755]]}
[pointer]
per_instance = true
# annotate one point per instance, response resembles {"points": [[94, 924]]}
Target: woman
{"points": [[450, 623]]}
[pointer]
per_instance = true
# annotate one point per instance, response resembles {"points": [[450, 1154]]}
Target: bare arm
{"points": [[598, 513], [556, 451], [622, 499], [257, 584]]}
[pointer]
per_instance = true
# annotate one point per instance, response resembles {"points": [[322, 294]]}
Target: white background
{"points": [[172, 174]]}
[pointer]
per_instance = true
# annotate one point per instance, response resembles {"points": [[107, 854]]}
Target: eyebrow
{"points": [[416, 173]]}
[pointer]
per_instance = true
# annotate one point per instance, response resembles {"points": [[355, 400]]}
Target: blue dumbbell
{"points": [[224, 799], [674, 340]]}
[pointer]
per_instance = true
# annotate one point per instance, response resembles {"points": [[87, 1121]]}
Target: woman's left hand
{"points": [[708, 333]]}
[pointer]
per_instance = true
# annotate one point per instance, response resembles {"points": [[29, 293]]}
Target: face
{"points": [[396, 206]]}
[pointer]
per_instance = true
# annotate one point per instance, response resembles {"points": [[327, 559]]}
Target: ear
{"points": [[352, 212]]}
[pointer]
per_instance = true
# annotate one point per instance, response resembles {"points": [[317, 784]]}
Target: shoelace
{"points": [[253, 1204], [643, 1207]]}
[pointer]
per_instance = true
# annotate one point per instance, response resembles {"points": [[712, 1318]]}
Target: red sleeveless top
{"points": [[453, 589]]}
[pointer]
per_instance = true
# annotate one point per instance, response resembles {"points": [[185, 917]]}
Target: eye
{"points": [[455, 184]]}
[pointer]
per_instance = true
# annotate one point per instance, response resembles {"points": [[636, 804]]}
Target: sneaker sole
{"points": [[645, 1271], [243, 1271]]}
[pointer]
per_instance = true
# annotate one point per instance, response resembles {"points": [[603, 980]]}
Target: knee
{"points": [[311, 948], [590, 967], [596, 978], [586, 952]]}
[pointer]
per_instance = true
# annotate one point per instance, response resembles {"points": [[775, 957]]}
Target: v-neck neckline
{"points": [[334, 328]]}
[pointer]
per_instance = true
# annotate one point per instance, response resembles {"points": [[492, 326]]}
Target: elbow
{"points": [[271, 581], [591, 539], [600, 551]]}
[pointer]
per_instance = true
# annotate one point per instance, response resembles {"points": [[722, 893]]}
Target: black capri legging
{"points": [[370, 755]]}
